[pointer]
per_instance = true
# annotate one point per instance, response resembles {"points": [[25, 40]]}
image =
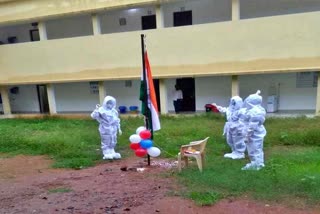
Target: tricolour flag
{"points": [[148, 97]]}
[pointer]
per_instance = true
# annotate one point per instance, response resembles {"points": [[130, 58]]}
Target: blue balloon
{"points": [[146, 144]]}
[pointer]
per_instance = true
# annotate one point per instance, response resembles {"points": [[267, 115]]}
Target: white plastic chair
{"points": [[195, 149]]}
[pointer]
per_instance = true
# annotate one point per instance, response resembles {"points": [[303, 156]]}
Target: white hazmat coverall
{"points": [[109, 125], [233, 129], [255, 131]]}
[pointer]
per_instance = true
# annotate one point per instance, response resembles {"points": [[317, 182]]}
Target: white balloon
{"points": [[154, 151], [140, 129], [135, 138]]}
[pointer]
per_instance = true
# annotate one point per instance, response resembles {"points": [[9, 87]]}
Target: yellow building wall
{"points": [[12, 11], [266, 45]]}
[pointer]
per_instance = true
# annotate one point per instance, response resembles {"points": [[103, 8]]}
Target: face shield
{"points": [[109, 102], [235, 103], [253, 100]]}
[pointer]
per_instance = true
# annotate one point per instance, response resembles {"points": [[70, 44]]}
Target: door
{"points": [[182, 18], [188, 91], [43, 98], [148, 22]]}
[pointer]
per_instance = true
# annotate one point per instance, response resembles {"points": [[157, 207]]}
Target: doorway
{"points": [[156, 88], [182, 18], [1, 111], [43, 99], [148, 22], [34, 35], [188, 90]]}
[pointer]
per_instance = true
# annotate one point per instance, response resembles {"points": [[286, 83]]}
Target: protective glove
{"points": [[221, 109]]}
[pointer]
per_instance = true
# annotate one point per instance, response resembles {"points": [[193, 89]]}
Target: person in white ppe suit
{"points": [[109, 125], [233, 129], [255, 131]]}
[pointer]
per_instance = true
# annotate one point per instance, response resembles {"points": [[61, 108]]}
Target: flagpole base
{"points": [[148, 160]]}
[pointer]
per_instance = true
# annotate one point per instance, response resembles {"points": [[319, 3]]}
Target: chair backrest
{"points": [[200, 144]]}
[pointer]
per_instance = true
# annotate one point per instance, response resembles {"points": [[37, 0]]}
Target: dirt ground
{"points": [[28, 185]]}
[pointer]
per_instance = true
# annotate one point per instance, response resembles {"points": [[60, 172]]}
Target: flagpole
{"points": [[145, 88]]}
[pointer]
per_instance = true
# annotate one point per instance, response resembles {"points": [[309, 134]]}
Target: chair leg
{"points": [[186, 161], [179, 162], [199, 162], [203, 160]]}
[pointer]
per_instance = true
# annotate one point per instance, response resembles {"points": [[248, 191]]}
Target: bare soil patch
{"points": [[28, 185]]}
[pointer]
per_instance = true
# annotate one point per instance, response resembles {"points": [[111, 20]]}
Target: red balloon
{"points": [[135, 146], [141, 152], [146, 134]]}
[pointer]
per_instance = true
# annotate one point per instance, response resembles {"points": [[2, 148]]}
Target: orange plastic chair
{"points": [[195, 149]]}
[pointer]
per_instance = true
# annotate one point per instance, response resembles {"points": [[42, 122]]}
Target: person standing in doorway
{"points": [[177, 99]]}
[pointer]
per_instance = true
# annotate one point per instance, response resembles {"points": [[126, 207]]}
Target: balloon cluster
{"points": [[142, 144]]}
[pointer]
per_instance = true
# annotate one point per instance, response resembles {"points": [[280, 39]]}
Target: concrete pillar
{"points": [[51, 99], [96, 24], [5, 100], [42, 31], [102, 92], [318, 96], [163, 96], [159, 17], [235, 10], [234, 85]]}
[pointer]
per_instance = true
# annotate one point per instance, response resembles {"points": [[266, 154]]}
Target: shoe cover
{"points": [[116, 155], [252, 166], [236, 155], [228, 155], [108, 157]]}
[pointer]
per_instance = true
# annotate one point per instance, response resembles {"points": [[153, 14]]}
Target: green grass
{"points": [[204, 198], [292, 153]]}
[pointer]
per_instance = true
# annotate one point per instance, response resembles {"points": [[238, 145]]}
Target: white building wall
{"points": [[207, 90], [125, 96], [72, 26], [217, 89], [212, 90], [26, 100], [204, 11], [20, 31], [110, 19], [260, 8], [69, 27], [75, 97], [284, 86]]}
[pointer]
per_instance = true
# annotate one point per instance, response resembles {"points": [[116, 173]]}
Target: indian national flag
{"points": [[148, 97]]}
